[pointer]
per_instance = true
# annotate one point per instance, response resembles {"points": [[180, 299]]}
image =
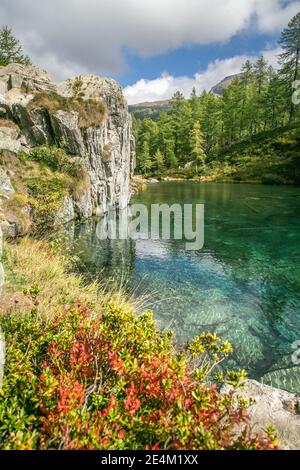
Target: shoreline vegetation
{"points": [[270, 158], [85, 371]]}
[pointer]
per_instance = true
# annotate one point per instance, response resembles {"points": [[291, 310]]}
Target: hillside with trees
{"points": [[198, 137]]}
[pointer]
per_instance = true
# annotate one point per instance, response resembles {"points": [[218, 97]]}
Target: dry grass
{"points": [[90, 112], [138, 184], [31, 263], [107, 152], [121, 100], [14, 210], [78, 188], [8, 123]]}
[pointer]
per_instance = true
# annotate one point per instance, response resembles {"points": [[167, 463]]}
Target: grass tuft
{"points": [[90, 112]]}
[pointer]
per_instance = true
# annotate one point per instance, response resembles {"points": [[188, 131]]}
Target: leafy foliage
{"points": [[64, 175], [93, 375], [56, 159]]}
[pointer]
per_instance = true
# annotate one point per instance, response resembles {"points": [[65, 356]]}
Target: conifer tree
{"points": [[197, 143], [158, 161], [260, 70], [290, 57], [11, 49]]}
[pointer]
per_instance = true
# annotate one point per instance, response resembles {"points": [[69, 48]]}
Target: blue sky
{"points": [[189, 60], [153, 47]]}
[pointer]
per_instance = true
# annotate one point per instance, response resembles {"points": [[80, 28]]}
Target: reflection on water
{"points": [[244, 285]]}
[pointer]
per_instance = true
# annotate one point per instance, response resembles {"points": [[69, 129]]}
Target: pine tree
{"points": [[182, 125], [146, 166], [247, 71], [210, 120], [261, 79], [233, 112], [260, 70], [290, 57], [166, 140], [158, 161], [275, 101], [144, 159], [195, 105], [11, 49], [197, 143]]}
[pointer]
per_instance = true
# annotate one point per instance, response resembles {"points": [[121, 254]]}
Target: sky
{"points": [[152, 47]]}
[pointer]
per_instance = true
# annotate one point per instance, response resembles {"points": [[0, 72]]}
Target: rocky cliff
{"points": [[86, 116]]}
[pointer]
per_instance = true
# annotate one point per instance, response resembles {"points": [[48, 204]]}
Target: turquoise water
{"points": [[243, 285]]}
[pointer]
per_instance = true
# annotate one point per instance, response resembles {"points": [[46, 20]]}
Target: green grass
{"points": [[270, 158]]}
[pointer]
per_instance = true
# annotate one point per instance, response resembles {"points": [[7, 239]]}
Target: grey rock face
{"points": [[274, 407], [26, 78], [2, 342], [66, 213], [106, 147], [9, 139], [1, 267], [6, 187]]}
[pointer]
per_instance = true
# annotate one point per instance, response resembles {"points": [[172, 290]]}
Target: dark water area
{"points": [[243, 285]]}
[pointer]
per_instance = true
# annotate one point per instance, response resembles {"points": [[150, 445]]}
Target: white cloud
{"points": [[166, 85], [272, 17], [74, 36]]}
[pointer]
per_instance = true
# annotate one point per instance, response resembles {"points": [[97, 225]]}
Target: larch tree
{"points": [[197, 144], [159, 161]]}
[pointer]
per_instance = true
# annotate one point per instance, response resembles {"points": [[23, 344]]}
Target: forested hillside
{"points": [[195, 134]]}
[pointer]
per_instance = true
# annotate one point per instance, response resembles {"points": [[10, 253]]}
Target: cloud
{"points": [[77, 36], [274, 15], [166, 85]]}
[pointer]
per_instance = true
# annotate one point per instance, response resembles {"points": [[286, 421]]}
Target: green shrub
{"points": [[56, 159], [46, 200], [91, 374]]}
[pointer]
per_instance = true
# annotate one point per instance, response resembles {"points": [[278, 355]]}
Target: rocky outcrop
{"points": [[6, 187], [274, 407], [87, 116], [2, 344], [1, 266], [224, 84]]}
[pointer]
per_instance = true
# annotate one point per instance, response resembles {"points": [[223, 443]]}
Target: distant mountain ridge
{"points": [[153, 108], [221, 86], [149, 109], [151, 104]]}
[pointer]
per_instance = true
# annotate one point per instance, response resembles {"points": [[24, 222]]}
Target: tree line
{"points": [[195, 130]]}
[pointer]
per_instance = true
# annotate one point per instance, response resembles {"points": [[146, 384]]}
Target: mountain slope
{"points": [[221, 86]]}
